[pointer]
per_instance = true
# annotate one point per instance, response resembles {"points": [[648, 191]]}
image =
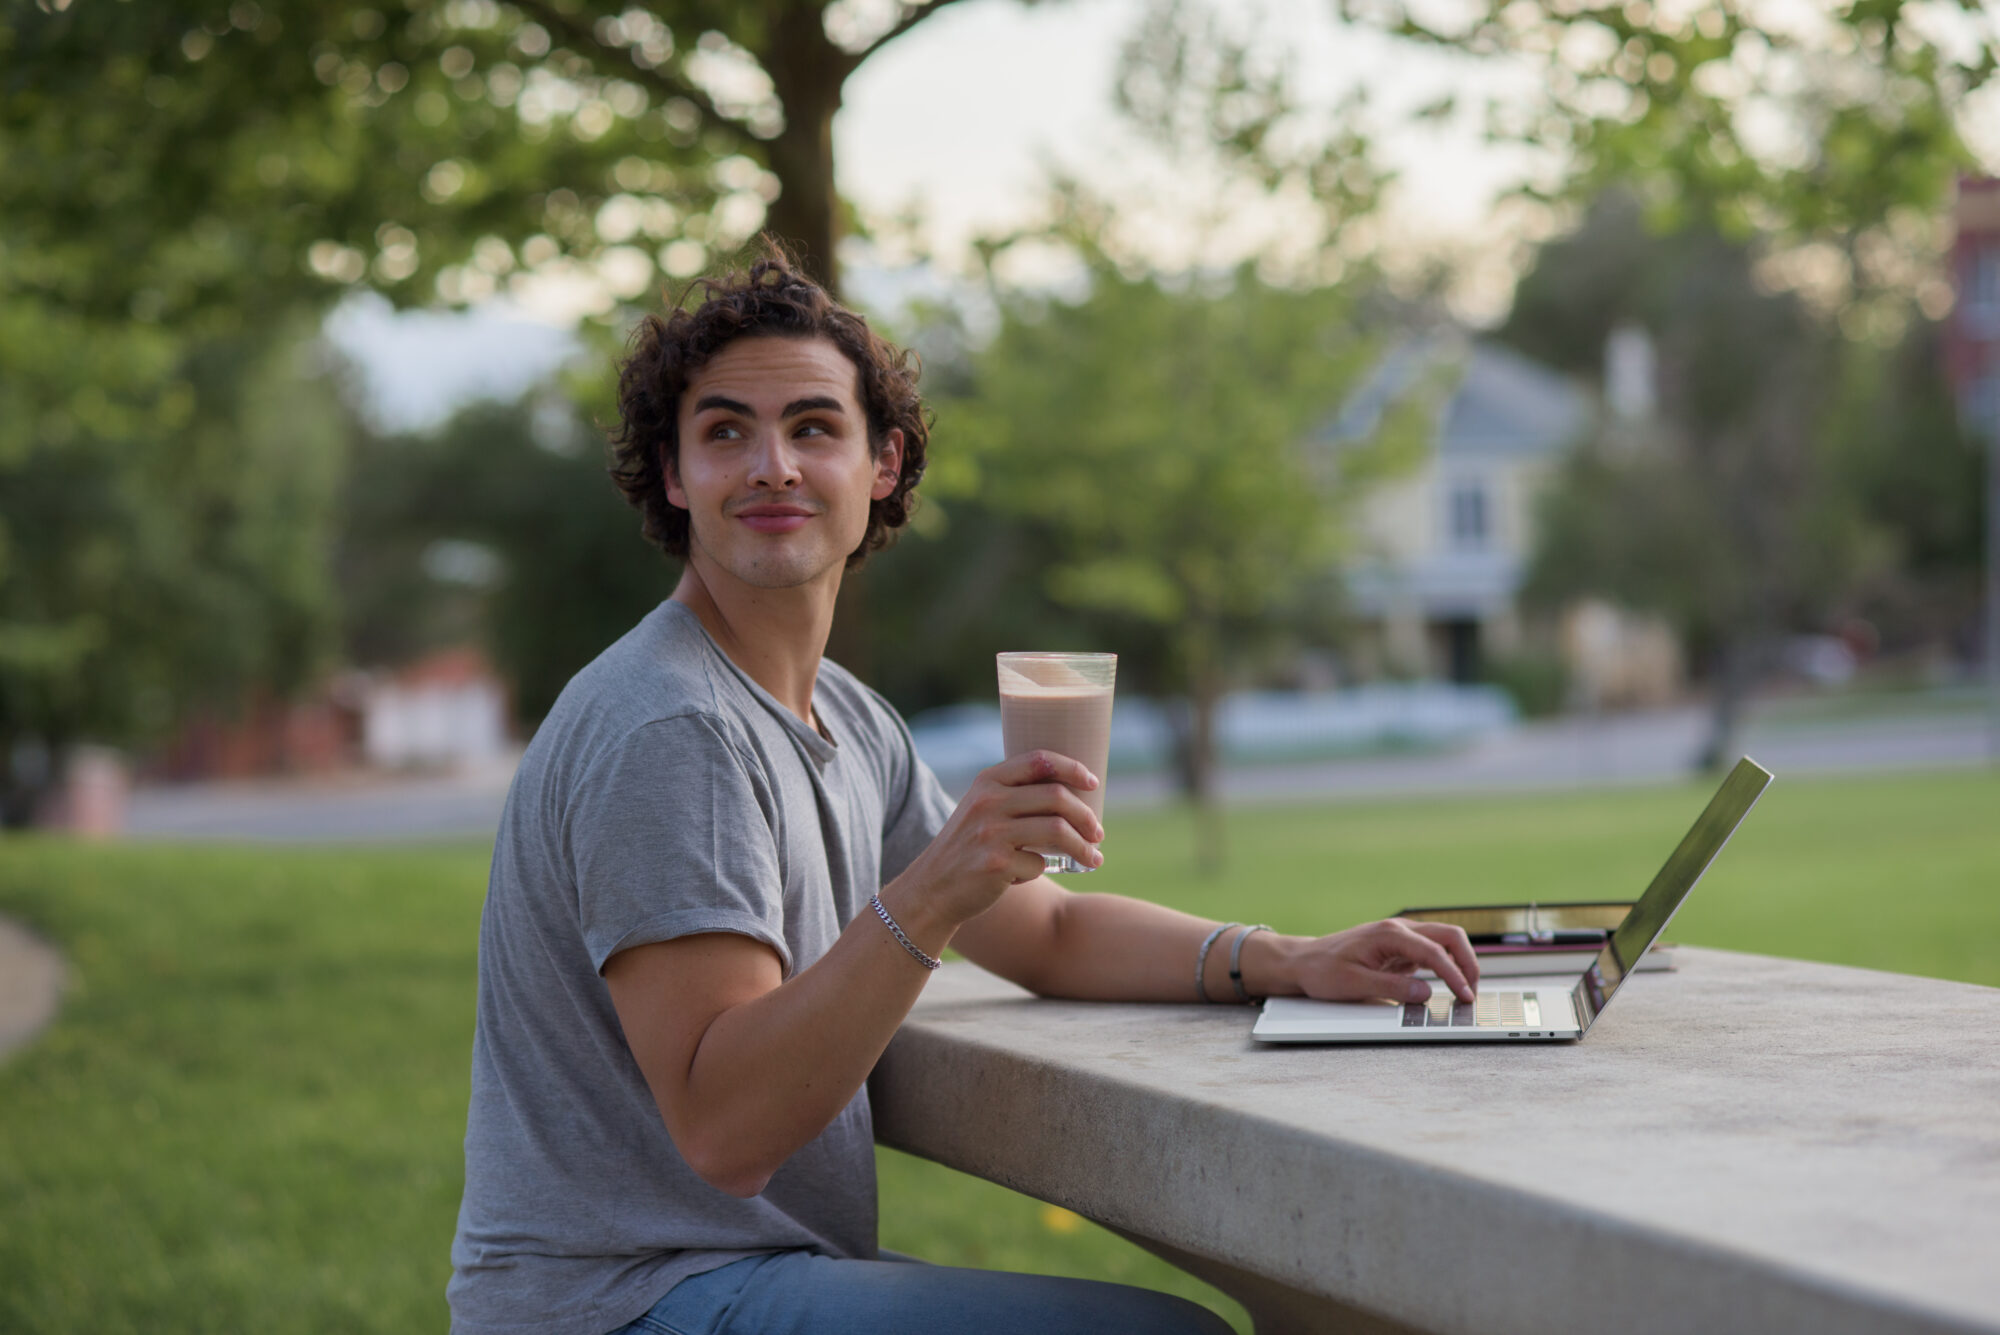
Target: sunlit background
{"points": [[1471, 420]]}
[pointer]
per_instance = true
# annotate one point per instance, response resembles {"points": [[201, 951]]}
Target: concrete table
{"points": [[1745, 1144]]}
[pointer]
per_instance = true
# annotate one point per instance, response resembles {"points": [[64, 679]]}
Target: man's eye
{"points": [[812, 429], [725, 432]]}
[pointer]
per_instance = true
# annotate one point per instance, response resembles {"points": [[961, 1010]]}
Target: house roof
{"points": [[1510, 405], [1501, 404]]}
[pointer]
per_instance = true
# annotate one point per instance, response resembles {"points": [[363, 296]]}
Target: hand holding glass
{"points": [[1062, 703]]}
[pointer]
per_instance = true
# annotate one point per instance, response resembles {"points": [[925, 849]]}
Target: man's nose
{"points": [[773, 462]]}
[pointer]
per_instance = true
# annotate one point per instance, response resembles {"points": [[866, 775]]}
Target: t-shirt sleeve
{"points": [[917, 810], [671, 834]]}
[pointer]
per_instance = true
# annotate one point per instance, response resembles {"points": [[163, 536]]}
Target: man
{"points": [[686, 971]]}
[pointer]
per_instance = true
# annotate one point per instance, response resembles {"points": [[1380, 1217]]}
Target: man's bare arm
{"points": [[747, 1066], [746, 1069], [1101, 947]]}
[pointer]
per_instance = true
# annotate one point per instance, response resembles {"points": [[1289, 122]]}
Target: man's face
{"points": [[775, 469]]}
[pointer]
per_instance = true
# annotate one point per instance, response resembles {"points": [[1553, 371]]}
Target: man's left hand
{"points": [[1375, 961]]}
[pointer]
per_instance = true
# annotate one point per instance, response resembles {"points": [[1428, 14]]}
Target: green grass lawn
{"points": [[248, 1116]]}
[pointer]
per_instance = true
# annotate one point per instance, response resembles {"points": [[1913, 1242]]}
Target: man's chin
{"points": [[782, 570]]}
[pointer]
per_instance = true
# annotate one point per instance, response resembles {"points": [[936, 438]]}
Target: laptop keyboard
{"points": [[1489, 1010]]}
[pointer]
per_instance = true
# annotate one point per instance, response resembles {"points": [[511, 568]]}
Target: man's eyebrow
{"points": [[820, 403]]}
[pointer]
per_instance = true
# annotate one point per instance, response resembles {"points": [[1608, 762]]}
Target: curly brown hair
{"points": [[771, 299]]}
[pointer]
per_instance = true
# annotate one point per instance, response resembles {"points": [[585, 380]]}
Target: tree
{"points": [[1830, 134], [1150, 436], [187, 182], [1917, 474], [1723, 514], [1125, 466], [403, 142], [159, 556]]}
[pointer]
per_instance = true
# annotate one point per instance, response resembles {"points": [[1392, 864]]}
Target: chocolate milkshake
{"points": [[1062, 703]]}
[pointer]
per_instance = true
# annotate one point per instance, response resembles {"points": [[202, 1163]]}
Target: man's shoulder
{"points": [[656, 673]]}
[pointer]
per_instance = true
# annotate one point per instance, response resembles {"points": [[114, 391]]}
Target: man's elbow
{"points": [[721, 1163]]}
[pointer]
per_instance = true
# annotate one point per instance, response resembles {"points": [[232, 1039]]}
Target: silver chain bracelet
{"points": [[1201, 960], [875, 902]]}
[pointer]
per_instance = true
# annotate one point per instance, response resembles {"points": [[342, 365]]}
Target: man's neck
{"points": [[777, 636]]}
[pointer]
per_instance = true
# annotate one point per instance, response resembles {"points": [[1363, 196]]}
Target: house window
{"points": [[1982, 406], [1984, 289], [1468, 520]]}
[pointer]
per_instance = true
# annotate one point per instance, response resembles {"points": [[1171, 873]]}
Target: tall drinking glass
{"points": [[1062, 703]]}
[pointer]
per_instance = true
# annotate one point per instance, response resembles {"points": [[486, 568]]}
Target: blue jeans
{"points": [[799, 1293]]}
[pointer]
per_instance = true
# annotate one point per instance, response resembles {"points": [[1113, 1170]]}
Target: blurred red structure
{"points": [[444, 710], [265, 737]]}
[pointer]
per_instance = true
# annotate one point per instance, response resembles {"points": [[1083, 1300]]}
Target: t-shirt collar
{"points": [[815, 744]]}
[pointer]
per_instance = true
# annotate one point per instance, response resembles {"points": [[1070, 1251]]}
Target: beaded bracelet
{"points": [[1236, 961], [1201, 960], [875, 902]]}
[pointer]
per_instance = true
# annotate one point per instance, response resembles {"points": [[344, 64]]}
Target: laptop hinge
{"points": [[1580, 1002]]}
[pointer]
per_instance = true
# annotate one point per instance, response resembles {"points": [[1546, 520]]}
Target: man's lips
{"points": [[774, 518]]}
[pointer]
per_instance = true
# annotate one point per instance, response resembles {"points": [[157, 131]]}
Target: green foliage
{"points": [[1792, 476], [1538, 683], [188, 185], [249, 1114], [236, 160], [157, 555], [1227, 106], [1126, 468], [185, 191], [1918, 477], [1155, 434], [1723, 513], [1150, 436], [1832, 127]]}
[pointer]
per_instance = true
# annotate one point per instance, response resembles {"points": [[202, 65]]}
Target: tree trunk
{"points": [[807, 70], [30, 771], [1735, 674], [1198, 750], [1204, 696]]}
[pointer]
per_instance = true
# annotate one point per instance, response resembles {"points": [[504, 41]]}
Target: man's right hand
{"points": [[1030, 801]]}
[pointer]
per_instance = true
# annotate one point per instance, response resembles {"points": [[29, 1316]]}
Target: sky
{"points": [[964, 110]]}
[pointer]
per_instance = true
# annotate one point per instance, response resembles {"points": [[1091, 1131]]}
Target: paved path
{"points": [[31, 978], [1558, 754]]}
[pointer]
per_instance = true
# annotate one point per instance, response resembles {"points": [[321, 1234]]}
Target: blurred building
{"points": [[448, 710], [1444, 550], [1972, 335]]}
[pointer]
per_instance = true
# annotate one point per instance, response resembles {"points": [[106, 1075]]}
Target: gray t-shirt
{"points": [[666, 794]]}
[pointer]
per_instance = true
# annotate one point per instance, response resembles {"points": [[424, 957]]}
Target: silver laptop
{"points": [[1524, 1008]]}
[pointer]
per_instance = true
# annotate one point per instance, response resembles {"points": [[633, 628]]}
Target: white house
{"points": [[1444, 549], [449, 709]]}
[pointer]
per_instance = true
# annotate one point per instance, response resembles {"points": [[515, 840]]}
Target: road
{"points": [[1560, 754]]}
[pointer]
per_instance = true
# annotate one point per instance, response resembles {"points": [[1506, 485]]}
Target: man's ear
{"points": [[671, 475], [888, 465]]}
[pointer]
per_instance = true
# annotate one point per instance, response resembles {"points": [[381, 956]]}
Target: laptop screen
{"points": [[1649, 917]]}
